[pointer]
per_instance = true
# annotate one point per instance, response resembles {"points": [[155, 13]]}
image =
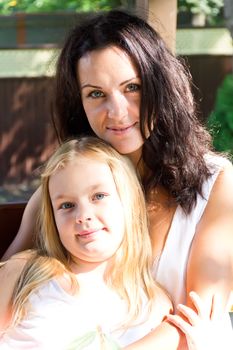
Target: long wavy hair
{"points": [[173, 154], [130, 272]]}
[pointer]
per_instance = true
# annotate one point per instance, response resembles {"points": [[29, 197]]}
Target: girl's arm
{"points": [[24, 238], [210, 266]]}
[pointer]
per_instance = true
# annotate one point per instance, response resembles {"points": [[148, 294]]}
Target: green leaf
{"points": [[220, 121]]}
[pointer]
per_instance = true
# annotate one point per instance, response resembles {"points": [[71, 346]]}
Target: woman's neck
{"points": [[135, 157]]}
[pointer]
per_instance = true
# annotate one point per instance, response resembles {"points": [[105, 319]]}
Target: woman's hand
{"points": [[202, 330]]}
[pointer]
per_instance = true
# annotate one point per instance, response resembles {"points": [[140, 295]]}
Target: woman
{"points": [[116, 79]]}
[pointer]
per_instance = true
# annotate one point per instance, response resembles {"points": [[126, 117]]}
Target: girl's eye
{"points": [[66, 205], [133, 87], [99, 196], [96, 94]]}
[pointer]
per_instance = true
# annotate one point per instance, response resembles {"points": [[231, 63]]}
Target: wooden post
{"points": [[161, 14], [20, 29]]}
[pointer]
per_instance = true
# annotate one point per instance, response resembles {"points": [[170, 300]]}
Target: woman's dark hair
{"points": [[174, 152]]}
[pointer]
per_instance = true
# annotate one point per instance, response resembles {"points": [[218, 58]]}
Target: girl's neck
{"points": [[94, 269]]}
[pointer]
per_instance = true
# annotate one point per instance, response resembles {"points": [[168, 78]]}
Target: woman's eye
{"points": [[96, 94], [133, 87], [66, 205]]}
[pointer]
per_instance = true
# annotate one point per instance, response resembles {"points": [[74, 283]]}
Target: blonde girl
{"points": [[88, 282]]}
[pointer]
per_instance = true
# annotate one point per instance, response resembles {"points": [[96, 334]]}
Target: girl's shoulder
{"points": [[163, 304]]}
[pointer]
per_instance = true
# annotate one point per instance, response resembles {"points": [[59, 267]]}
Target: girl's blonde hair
{"points": [[131, 269]]}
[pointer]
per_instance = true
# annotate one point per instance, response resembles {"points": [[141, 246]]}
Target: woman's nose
{"points": [[117, 106]]}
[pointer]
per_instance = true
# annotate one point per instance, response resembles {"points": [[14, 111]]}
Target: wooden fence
{"points": [[208, 73], [26, 132]]}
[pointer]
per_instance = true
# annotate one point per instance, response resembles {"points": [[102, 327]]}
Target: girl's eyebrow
{"points": [[61, 196], [99, 87]]}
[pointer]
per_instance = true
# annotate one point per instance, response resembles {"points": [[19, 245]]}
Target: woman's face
{"points": [[111, 93]]}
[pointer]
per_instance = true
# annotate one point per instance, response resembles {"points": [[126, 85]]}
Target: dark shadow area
{"points": [[10, 218]]}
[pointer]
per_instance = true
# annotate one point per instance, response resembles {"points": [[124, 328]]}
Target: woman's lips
{"points": [[120, 129]]}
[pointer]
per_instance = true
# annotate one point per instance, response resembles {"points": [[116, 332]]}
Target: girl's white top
{"points": [[58, 320], [170, 268]]}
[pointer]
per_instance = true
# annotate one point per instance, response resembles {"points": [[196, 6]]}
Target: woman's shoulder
{"points": [[217, 161], [221, 178], [14, 265], [10, 272], [11, 269], [224, 180]]}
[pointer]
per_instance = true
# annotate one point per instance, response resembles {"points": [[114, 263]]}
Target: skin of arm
{"points": [[9, 274], [210, 266], [24, 238]]}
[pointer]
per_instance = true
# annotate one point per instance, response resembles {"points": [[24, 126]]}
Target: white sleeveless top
{"points": [[58, 320], [170, 269]]}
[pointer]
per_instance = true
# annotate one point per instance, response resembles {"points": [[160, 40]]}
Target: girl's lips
{"points": [[87, 233]]}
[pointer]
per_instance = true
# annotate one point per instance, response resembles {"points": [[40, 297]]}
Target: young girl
{"points": [[88, 284]]}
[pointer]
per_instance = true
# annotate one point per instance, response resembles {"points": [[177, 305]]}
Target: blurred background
{"points": [[31, 35]]}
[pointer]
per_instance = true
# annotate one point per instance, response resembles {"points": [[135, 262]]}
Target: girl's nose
{"points": [[118, 106], [82, 219]]}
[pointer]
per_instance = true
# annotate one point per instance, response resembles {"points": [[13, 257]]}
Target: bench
{"points": [[10, 218]]}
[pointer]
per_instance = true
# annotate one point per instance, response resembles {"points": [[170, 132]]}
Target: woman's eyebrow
{"points": [[99, 87], [90, 86], [128, 80]]}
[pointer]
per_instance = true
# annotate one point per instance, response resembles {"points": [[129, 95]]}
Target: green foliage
{"points": [[220, 122], [36, 6], [208, 7]]}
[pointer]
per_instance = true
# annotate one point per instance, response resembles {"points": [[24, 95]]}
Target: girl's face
{"points": [[87, 209], [111, 92]]}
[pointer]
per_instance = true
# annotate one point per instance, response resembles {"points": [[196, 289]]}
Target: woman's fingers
{"points": [[179, 322], [199, 305], [190, 314]]}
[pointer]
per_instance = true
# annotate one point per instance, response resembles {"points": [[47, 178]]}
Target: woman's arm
{"points": [[210, 266], [9, 274], [24, 238]]}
